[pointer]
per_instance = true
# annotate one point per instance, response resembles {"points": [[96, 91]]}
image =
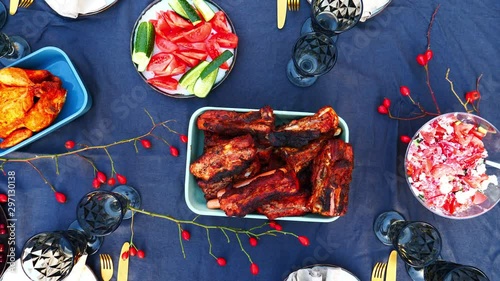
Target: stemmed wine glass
{"points": [[417, 243], [449, 271], [314, 54], [12, 48], [99, 213], [50, 256], [333, 17]]}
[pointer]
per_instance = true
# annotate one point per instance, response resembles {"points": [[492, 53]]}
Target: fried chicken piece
{"points": [[232, 123], [331, 176], [211, 187], [300, 132], [260, 190], [286, 206], [225, 160], [299, 158], [16, 137]]}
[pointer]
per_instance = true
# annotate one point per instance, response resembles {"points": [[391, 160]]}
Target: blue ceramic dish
{"points": [[77, 99]]}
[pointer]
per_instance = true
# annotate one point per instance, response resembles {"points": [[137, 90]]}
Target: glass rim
{"points": [[332, 43]]}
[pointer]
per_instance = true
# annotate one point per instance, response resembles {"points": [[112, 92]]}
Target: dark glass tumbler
{"points": [[50, 256], [12, 48], [449, 271], [313, 55]]}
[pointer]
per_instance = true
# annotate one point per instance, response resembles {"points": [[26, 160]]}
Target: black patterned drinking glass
{"points": [[313, 55], [417, 243], [449, 271], [50, 256], [12, 48], [333, 17], [99, 213]]}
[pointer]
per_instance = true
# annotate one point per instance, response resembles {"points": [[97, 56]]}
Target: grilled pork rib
{"points": [[299, 158], [331, 176], [232, 123], [300, 132], [222, 161], [288, 205], [245, 199]]}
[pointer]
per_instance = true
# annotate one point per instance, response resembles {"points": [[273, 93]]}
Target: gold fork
{"points": [[293, 5], [106, 267], [378, 273], [25, 3]]}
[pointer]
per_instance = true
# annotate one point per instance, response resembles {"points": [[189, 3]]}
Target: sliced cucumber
{"points": [[203, 85], [143, 45], [216, 63], [189, 78], [204, 9], [183, 7]]}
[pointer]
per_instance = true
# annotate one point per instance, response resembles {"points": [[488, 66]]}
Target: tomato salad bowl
{"points": [[447, 165]]}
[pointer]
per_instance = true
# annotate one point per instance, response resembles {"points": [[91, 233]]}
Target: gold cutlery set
{"points": [[386, 271], [15, 4], [107, 265], [282, 6]]}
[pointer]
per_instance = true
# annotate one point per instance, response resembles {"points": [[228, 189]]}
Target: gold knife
{"points": [[13, 6], [123, 264], [392, 266], [281, 13]]}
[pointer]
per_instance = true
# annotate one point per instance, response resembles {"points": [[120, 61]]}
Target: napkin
{"points": [[72, 8], [371, 7], [16, 273], [327, 274]]}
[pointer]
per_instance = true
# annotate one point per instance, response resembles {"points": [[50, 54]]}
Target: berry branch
{"points": [[253, 233]]}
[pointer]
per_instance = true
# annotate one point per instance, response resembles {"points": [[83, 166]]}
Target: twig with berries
{"points": [[99, 176], [472, 98], [253, 235]]}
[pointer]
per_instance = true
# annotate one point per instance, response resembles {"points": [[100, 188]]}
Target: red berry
{"points": [[405, 91], [421, 60], [141, 254], [303, 240], [3, 198], [405, 138], [221, 261], [428, 55], [146, 143], [472, 96], [254, 269], [60, 197], [386, 102], [185, 235], [96, 183], [111, 181], [125, 255], [69, 144], [101, 177], [278, 227], [183, 138], [174, 151], [121, 178], [382, 109], [252, 241], [3, 231], [132, 250]]}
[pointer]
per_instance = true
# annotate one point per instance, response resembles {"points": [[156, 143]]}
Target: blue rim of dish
{"points": [[179, 96]]}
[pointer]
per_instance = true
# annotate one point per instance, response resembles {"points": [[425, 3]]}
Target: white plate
{"points": [[109, 3], [329, 272], [16, 273]]}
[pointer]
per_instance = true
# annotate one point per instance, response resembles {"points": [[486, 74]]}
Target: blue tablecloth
{"points": [[375, 58]]}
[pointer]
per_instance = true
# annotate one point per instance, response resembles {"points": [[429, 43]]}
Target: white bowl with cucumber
{"points": [[183, 48]]}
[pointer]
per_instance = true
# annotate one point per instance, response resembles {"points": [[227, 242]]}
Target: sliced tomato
{"points": [[164, 82], [450, 205], [165, 45], [226, 40], [176, 66], [161, 26], [219, 22], [175, 36], [176, 21], [159, 62], [200, 46], [214, 50], [199, 33], [191, 62], [199, 55]]}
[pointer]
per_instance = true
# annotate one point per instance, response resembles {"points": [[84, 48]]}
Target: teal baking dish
{"points": [[77, 102], [193, 194]]}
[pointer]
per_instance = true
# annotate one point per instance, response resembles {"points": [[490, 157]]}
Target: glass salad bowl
{"points": [[450, 165]]}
